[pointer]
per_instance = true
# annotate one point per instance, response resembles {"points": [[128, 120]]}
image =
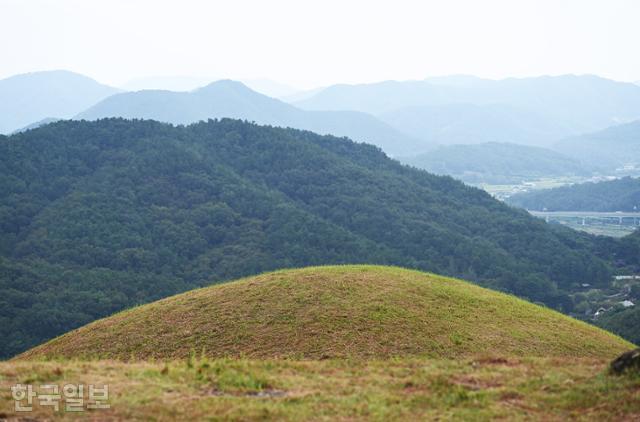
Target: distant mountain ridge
{"points": [[403, 118], [462, 123], [32, 97], [233, 99], [612, 147], [497, 163], [581, 103], [37, 124]]}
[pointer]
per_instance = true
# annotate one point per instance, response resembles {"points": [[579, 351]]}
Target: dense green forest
{"points": [[615, 195], [99, 216], [624, 322]]}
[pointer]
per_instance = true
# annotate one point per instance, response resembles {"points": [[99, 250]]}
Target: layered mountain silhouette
{"points": [[579, 103], [475, 124], [614, 147], [405, 119], [32, 97], [235, 100]]}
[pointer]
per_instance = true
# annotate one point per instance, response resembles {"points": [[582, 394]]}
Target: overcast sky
{"points": [[314, 43]]}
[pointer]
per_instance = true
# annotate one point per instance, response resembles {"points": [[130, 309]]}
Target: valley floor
{"points": [[397, 389]]}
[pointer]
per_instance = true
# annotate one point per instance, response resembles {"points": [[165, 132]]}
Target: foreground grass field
{"points": [[397, 389], [335, 343], [354, 311]]}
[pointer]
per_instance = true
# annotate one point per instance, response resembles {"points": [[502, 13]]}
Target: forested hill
{"points": [[98, 216], [615, 195]]}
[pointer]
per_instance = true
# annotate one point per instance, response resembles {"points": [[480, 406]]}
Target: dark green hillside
{"points": [[615, 195], [99, 216], [624, 322]]}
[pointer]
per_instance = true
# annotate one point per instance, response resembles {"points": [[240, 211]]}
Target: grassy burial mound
{"points": [[334, 312]]}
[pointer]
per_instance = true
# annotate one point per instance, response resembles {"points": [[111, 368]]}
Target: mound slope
{"points": [[340, 311]]}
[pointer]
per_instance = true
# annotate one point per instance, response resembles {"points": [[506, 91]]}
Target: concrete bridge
{"points": [[630, 218]]}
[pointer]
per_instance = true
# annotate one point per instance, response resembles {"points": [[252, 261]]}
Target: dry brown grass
{"points": [[397, 389]]}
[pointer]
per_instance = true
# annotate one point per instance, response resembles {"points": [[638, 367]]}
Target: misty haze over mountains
{"points": [[31, 97], [572, 120], [612, 147], [467, 123], [190, 83], [583, 103], [234, 99]]}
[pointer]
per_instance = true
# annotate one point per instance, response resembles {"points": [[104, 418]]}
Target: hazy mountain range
{"points": [[171, 83], [31, 97], [233, 99], [190, 83], [579, 103], [406, 119], [37, 124], [613, 147], [472, 124]]}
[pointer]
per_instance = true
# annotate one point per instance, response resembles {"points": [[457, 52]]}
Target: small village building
{"points": [[599, 312], [627, 304]]}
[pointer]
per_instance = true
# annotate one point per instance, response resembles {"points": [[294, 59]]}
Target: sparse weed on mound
{"points": [[224, 376]]}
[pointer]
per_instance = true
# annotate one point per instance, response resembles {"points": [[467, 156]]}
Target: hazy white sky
{"points": [[313, 43]]}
